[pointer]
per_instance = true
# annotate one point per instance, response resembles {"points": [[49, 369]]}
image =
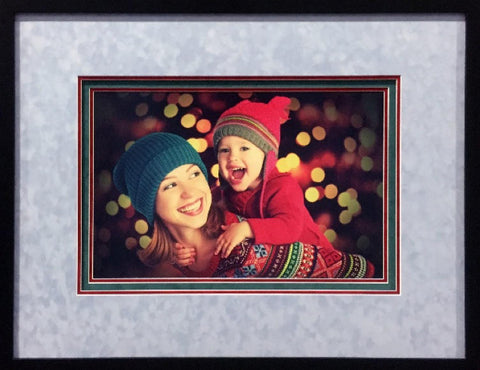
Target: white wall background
{"points": [[425, 321]]}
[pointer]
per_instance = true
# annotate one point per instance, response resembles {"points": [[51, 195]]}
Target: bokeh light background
{"points": [[332, 145]]}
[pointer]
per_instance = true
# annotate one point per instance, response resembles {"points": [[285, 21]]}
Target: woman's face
{"points": [[184, 198]]}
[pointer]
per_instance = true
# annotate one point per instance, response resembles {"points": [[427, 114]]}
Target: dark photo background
{"points": [[332, 144]]}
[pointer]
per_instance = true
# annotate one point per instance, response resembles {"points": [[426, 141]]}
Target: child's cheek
{"points": [[221, 163], [223, 172]]}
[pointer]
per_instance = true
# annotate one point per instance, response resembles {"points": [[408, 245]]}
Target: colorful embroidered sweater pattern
{"points": [[295, 260]]}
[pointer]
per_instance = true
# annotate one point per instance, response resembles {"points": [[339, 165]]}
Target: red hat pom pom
{"points": [[280, 105]]}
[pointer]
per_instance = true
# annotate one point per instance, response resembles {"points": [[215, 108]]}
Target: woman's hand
{"points": [[234, 234], [183, 256]]}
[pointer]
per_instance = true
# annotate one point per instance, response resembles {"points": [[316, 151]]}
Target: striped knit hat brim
{"points": [[241, 127], [256, 122]]}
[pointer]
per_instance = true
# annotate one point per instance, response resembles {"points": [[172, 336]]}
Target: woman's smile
{"points": [[193, 208]]}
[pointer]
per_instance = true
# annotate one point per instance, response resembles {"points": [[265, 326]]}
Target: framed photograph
{"points": [[374, 140], [340, 143]]}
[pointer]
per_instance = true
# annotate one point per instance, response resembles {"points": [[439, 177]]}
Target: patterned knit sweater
{"points": [[295, 260]]}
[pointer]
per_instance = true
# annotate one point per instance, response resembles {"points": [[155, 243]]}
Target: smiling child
{"points": [[246, 139]]}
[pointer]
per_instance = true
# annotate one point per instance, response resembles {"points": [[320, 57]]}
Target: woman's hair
{"points": [[160, 248]]}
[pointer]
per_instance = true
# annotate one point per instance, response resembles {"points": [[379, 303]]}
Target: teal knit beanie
{"points": [[141, 169]]}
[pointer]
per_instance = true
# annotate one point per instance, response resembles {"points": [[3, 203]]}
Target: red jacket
{"points": [[286, 218]]}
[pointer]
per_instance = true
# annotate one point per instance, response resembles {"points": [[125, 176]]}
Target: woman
{"points": [[166, 181]]}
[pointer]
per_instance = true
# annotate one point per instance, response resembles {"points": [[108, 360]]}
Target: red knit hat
{"points": [[258, 123]]}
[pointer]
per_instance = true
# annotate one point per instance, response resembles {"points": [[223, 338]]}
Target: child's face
{"points": [[240, 162]]}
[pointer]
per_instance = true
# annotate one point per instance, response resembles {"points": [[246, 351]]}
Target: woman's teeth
{"points": [[191, 207]]}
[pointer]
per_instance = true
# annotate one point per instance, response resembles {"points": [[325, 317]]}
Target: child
{"points": [[246, 139]]}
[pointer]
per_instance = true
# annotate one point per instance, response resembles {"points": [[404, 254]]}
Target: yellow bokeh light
{"points": [[367, 137], [380, 190], [145, 241], [293, 160], [353, 193], [141, 109], [202, 145], [343, 199], [194, 143], [303, 138], [141, 227], [188, 120], [354, 207], [331, 235], [345, 217], [111, 208], [317, 174], [170, 110], [204, 126], [129, 144], [124, 201], [331, 191], [215, 170], [185, 100], [350, 144], [282, 165], [319, 133], [312, 194], [366, 163], [294, 104]]}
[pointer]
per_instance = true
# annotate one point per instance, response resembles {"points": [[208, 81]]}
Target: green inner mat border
{"points": [[391, 84]]}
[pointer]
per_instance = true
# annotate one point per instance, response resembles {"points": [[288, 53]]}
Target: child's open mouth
{"points": [[237, 173]]}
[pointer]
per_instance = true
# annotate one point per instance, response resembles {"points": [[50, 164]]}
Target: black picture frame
{"points": [[464, 7]]}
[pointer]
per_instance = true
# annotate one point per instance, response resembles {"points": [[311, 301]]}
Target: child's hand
{"points": [[234, 234], [183, 256]]}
